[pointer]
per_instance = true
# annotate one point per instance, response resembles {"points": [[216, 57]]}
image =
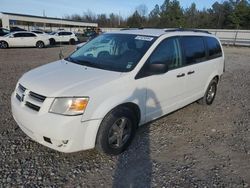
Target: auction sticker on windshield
{"points": [[144, 38]]}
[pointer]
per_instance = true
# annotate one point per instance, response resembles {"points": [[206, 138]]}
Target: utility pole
{"points": [[44, 24]]}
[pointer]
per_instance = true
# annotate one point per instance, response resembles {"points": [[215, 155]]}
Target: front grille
{"points": [[36, 96], [31, 99], [21, 88], [19, 97], [32, 106]]}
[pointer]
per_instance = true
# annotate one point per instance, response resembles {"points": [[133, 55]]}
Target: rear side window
{"points": [[29, 35], [214, 49], [194, 49]]}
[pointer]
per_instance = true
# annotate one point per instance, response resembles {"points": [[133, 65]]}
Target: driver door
{"points": [[165, 92], [16, 40]]}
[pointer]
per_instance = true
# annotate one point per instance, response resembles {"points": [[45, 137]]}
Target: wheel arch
{"points": [[133, 107], [216, 76]]}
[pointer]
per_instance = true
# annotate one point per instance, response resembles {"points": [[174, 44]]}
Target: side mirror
{"points": [[158, 68]]}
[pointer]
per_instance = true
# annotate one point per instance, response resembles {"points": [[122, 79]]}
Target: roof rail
{"points": [[136, 28], [186, 29]]}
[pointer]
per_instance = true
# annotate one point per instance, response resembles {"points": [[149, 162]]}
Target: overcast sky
{"points": [[60, 8]]}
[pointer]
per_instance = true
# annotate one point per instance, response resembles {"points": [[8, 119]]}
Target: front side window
{"points": [[115, 52], [167, 53], [16, 35], [194, 49]]}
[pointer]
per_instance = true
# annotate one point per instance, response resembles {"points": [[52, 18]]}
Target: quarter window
{"points": [[214, 49], [194, 49]]}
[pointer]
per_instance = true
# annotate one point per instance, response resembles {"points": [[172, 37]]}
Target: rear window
{"points": [[194, 49], [214, 49]]}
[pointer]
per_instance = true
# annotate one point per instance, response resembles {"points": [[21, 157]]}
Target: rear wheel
{"points": [[40, 44], [116, 131], [72, 41], [3, 45], [209, 96]]}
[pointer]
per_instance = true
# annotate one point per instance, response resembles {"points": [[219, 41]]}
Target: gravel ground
{"points": [[197, 146]]}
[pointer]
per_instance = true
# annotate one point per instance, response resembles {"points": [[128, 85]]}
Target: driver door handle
{"points": [[190, 72]]}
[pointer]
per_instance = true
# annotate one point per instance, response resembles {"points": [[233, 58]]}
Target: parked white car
{"points": [[100, 94], [23, 39], [63, 36]]}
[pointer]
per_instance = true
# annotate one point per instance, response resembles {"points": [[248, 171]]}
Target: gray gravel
{"points": [[197, 146]]}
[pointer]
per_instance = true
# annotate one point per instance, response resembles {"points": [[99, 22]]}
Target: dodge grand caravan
{"points": [[101, 93]]}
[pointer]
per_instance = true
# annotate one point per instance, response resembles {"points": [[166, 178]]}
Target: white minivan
{"points": [[101, 93]]}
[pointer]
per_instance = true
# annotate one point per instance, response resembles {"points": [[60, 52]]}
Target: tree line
{"points": [[230, 14]]}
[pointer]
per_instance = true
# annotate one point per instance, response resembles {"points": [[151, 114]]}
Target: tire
{"points": [[210, 94], [72, 41], [3, 45], [52, 41], [116, 131], [40, 44]]}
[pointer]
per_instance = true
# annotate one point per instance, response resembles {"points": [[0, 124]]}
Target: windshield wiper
{"points": [[84, 62]]}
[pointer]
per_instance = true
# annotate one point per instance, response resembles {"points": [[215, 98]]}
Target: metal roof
{"points": [[41, 17]]}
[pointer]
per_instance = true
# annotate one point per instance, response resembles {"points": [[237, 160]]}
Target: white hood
{"points": [[62, 78]]}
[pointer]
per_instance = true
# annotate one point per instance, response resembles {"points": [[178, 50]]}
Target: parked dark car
{"points": [[4, 31], [87, 36]]}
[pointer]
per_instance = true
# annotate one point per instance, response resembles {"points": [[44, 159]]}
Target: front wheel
{"points": [[40, 44], [116, 131], [209, 96], [3, 45]]}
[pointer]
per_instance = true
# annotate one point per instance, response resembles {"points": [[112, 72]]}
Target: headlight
{"points": [[69, 106]]}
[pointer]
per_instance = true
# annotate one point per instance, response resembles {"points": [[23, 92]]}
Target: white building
{"points": [[30, 22]]}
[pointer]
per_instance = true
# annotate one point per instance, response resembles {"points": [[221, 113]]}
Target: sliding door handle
{"points": [[180, 75], [190, 72]]}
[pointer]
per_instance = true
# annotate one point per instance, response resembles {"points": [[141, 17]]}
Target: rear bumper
{"points": [[62, 133]]}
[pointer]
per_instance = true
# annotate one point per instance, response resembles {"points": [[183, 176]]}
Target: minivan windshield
{"points": [[114, 52]]}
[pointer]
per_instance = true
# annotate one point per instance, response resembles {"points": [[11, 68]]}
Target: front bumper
{"points": [[62, 133]]}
